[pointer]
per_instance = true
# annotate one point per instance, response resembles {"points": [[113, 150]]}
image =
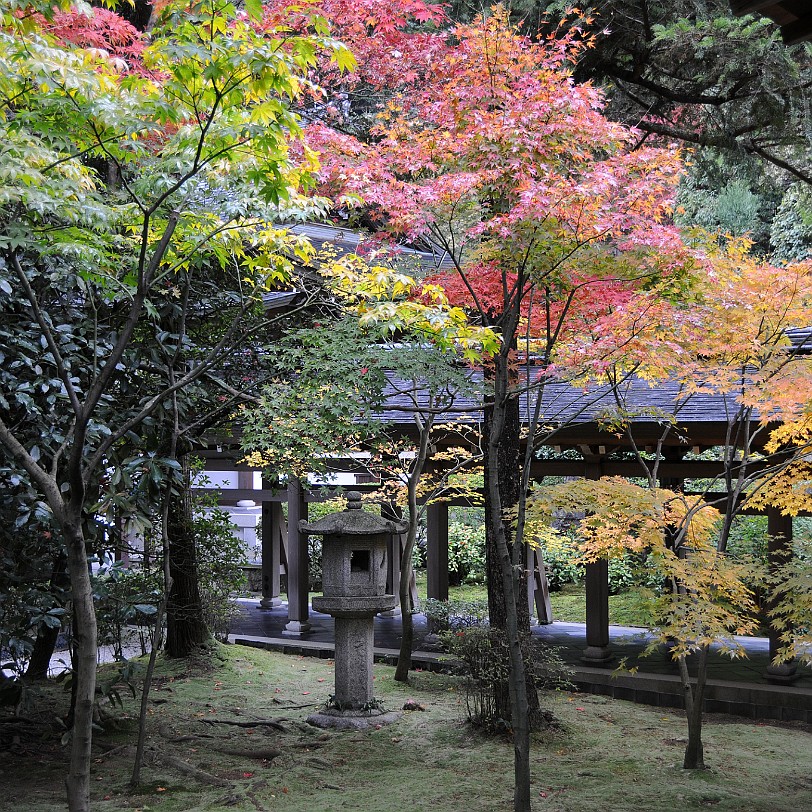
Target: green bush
{"points": [[221, 557], [314, 568], [483, 660], [622, 575], [630, 571], [466, 553], [126, 598], [562, 564], [791, 229], [455, 614], [802, 529]]}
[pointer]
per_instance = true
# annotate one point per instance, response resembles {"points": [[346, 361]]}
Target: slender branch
{"points": [[39, 476]]}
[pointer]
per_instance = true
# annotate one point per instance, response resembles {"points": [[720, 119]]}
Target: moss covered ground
{"points": [[204, 751]]}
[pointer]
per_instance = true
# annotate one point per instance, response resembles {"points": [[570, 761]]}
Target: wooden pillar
{"points": [[437, 551], [538, 590], [779, 551], [297, 570], [271, 554], [394, 549], [597, 651], [245, 480]]}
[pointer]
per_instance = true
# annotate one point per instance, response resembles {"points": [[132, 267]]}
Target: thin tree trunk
{"points": [[694, 750], [157, 642], [135, 778], [85, 637], [406, 608]]}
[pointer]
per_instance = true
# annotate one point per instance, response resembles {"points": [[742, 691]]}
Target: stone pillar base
{"points": [[353, 662], [391, 612], [597, 656], [270, 603], [296, 628], [784, 674]]}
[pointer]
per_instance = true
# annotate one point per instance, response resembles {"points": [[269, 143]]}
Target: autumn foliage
{"points": [[500, 160]]}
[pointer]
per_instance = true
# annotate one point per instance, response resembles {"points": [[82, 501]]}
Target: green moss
{"points": [[609, 754]]}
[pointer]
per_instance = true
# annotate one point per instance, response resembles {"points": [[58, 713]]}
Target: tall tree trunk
{"points": [[502, 474], [85, 640], [40, 661], [185, 627], [497, 605], [44, 645], [508, 478]]}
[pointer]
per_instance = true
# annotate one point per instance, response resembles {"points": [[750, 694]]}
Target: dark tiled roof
{"points": [[801, 337], [277, 299], [348, 241], [564, 403]]}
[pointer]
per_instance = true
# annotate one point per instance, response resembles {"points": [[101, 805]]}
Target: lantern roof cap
{"points": [[352, 522]]}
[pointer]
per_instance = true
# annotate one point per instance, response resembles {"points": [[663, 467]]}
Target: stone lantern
{"points": [[354, 583]]}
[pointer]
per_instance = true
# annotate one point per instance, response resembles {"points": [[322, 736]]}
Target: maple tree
{"points": [[706, 599], [736, 338], [504, 165]]}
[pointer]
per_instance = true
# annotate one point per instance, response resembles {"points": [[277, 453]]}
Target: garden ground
{"points": [[228, 732]]}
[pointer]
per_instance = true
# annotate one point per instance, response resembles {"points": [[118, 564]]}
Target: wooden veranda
{"points": [[578, 444]]}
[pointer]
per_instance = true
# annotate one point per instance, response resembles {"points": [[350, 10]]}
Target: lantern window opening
{"points": [[359, 561]]}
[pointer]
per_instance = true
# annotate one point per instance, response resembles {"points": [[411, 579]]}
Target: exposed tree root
{"points": [[259, 753], [276, 724], [182, 766]]}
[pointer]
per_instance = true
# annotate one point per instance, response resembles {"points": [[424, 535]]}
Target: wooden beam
{"points": [[315, 493], [297, 570], [676, 469], [742, 7], [437, 551], [227, 460]]}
